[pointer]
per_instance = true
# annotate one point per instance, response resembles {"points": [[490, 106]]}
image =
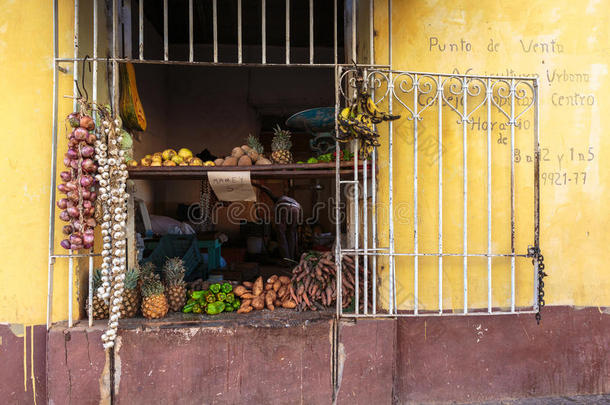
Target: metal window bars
{"points": [[429, 103]]}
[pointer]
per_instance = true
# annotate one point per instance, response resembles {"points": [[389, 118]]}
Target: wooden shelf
{"points": [[304, 170]]}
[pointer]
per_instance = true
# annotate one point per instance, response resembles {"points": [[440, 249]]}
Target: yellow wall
{"points": [[574, 217]]}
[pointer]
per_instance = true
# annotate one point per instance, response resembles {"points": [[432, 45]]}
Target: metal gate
{"points": [[438, 111]]}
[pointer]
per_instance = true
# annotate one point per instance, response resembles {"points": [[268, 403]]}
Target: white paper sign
{"points": [[232, 186]]}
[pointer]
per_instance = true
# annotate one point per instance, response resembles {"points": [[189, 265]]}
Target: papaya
{"points": [[130, 106]]}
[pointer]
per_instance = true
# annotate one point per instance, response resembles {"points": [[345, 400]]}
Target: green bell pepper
{"points": [[191, 301], [215, 308], [198, 294], [229, 308], [197, 309], [226, 288], [236, 303], [221, 296], [215, 288], [188, 307], [230, 297]]}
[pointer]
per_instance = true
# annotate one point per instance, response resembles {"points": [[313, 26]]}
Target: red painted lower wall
{"points": [[410, 360]]}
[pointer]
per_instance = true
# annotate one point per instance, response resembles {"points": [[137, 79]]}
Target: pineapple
{"points": [[280, 145], [255, 143], [131, 294], [175, 287], [100, 308], [154, 303]]}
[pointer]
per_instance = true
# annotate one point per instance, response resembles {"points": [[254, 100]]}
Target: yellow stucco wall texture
{"points": [[567, 48]]}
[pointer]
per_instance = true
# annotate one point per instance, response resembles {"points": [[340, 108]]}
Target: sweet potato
{"points": [[257, 288], [290, 304], [269, 298], [284, 279], [277, 285], [268, 286], [244, 310], [247, 284], [240, 290], [258, 302], [248, 295], [277, 303], [246, 303], [272, 279], [282, 291]]}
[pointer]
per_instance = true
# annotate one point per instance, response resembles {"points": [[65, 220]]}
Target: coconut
{"points": [[237, 152], [263, 161], [244, 161], [253, 155], [219, 162], [230, 161]]}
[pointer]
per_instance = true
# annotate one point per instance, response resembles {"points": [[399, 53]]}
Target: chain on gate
{"points": [[534, 252]]}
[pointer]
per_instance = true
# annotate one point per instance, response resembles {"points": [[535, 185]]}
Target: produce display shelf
{"points": [[291, 171], [280, 318]]}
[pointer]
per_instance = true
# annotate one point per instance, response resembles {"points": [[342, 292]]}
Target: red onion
{"points": [[80, 134], [86, 181], [88, 238], [67, 162], [62, 204], [89, 212], [87, 245], [71, 185], [74, 164], [73, 196], [74, 119], [86, 194], [73, 212], [87, 122], [76, 239], [91, 222], [73, 142], [62, 188], [72, 153], [65, 175], [76, 225], [76, 247], [65, 244], [67, 229], [93, 196], [87, 204], [91, 138], [89, 166], [86, 151], [64, 216]]}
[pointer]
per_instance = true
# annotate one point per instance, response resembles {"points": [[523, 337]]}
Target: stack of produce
{"points": [[130, 304], [276, 292], [169, 157], [314, 281], [219, 298], [78, 206], [100, 308], [245, 155]]}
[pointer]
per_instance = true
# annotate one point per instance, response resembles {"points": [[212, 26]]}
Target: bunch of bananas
{"points": [[358, 120]]}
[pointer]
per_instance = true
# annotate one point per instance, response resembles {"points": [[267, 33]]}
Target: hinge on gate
{"points": [[534, 253]]}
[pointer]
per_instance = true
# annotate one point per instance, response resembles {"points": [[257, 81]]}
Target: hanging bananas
{"points": [[358, 120]]}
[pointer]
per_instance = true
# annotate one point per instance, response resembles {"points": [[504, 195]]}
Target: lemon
{"points": [[169, 163], [168, 154], [156, 163], [209, 163], [185, 153], [177, 159], [196, 162]]}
